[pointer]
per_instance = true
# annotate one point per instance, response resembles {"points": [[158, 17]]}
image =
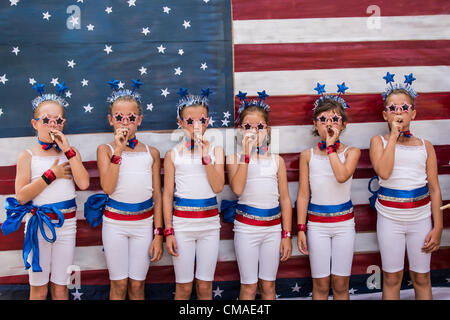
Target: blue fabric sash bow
{"points": [[374, 196], [93, 208], [228, 208], [14, 216]]}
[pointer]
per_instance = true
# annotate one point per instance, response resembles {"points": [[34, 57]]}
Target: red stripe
{"points": [[313, 56], [404, 205], [196, 214], [297, 109], [126, 217], [295, 267], [345, 217], [253, 222], [299, 9]]}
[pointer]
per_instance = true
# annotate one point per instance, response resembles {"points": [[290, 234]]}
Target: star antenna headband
{"points": [[188, 100], [120, 92], [406, 85], [58, 96], [320, 88]]}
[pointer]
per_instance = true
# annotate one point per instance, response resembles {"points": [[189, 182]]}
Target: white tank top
{"points": [[60, 189], [191, 182], [409, 173], [57, 191], [261, 191], [325, 189], [134, 184]]}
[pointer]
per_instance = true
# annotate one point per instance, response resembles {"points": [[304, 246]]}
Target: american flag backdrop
{"points": [[283, 47]]}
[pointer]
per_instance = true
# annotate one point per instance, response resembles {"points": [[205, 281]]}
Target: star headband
{"points": [[188, 100], [117, 93], [320, 88], [406, 85], [60, 88], [259, 102]]}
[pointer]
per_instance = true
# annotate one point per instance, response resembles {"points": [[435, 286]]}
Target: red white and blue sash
{"points": [[400, 199], [101, 204], [258, 217], [128, 211], [403, 199], [195, 208], [330, 213]]}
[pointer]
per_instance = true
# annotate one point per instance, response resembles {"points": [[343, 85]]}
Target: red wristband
{"points": [[158, 232], [331, 149], [168, 232], [70, 153], [302, 227], [49, 176], [286, 234], [206, 160], [245, 158], [116, 159]]}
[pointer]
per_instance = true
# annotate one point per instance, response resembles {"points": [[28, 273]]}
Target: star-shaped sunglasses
{"points": [[120, 117], [402, 107], [334, 119], [248, 126], [189, 121], [46, 120]]}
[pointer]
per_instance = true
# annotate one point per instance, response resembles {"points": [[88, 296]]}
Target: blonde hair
{"points": [[127, 99], [36, 110]]}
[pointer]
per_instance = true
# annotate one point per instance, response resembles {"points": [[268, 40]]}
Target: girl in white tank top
{"points": [[263, 213], [409, 194], [45, 197], [193, 175], [131, 208], [324, 200]]}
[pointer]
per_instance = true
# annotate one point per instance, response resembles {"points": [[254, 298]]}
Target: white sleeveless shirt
{"points": [[261, 191], [191, 182], [57, 191], [134, 183], [60, 189], [325, 189], [409, 173]]}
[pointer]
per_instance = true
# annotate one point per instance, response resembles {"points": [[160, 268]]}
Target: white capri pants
{"points": [[55, 258], [196, 247], [330, 250], [394, 236], [258, 255], [126, 245]]}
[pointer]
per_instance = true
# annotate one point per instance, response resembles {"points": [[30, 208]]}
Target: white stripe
{"points": [[285, 139], [93, 258], [359, 194], [430, 27], [359, 80]]}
